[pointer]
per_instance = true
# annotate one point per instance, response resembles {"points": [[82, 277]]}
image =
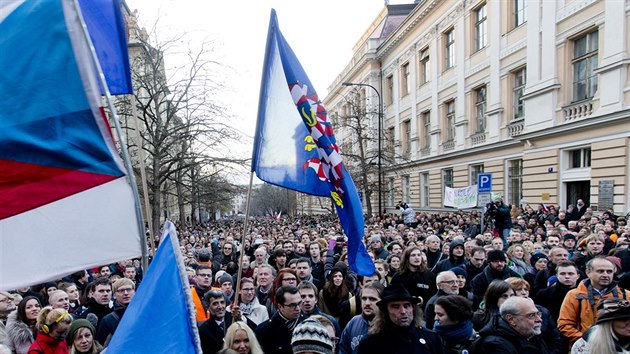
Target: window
{"points": [[515, 181], [405, 189], [481, 27], [580, 158], [517, 92], [520, 12], [424, 189], [389, 89], [584, 65], [406, 137], [426, 129], [475, 170], [480, 105], [390, 142], [425, 66], [447, 177], [405, 84], [390, 195], [449, 49], [450, 121]]}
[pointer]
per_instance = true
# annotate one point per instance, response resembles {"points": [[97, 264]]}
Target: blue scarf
{"points": [[456, 332]]}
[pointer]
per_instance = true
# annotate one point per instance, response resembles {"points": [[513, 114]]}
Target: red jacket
{"points": [[47, 345]]}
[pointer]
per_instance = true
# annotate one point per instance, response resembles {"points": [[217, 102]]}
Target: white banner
{"points": [[461, 198]]}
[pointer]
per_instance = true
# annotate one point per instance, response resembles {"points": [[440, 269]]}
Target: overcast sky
{"points": [[322, 34]]}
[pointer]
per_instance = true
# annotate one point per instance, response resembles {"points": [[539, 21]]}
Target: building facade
{"points": [[535, 92]]}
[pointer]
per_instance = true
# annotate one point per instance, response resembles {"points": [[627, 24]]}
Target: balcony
{"points": [[516, 127], [578, 110], [448, 145], [478, 138]]}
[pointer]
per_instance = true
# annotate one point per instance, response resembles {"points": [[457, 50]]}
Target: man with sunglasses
{"points": [[275, 334], [517, 330]]}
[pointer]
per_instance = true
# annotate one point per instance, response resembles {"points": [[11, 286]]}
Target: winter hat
{"points": [[616, 261], [570, 236], [612, 309], [338, 268], [496, 255], [457, 243], [75, 326], [312, 337], [375, 238], [218, 275], [459, 271], [536, 257], [225, 278], [552, 280]]}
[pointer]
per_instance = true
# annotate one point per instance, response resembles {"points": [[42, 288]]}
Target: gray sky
{"points": [[322, 34]]}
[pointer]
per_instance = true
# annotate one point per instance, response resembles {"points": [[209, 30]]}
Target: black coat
{"points": [[109, 323], [551, 298], [498, 337], [418, 284], [274, 336], [402, 341], [480, 283], [211, 334]]}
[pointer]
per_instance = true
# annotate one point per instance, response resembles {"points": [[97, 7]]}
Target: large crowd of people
{"points": [[533, 280]]}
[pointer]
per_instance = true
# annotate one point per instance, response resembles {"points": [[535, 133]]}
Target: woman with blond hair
{"points": [[240, 338], [519, 259], [52, 328]]}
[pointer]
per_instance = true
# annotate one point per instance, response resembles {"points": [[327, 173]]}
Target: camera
{"points": [[401, 205]]}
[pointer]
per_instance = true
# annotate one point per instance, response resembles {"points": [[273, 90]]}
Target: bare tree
{"points": [[269, 199], [181, 128]]}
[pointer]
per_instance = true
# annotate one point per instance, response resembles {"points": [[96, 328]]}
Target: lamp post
{"points": [[380, 131]]}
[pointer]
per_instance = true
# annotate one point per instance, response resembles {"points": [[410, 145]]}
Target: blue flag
{"points": [[295, 146], [160, 318], [106, 25]]}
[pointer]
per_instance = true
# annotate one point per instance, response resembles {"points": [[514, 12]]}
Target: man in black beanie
{"points": [[496, 269]]}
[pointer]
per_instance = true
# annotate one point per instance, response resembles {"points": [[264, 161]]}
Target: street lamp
{"points": [[380, 130]]}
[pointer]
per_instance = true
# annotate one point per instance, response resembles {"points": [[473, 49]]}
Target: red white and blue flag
{"points": [[295, 146], [65, 201]]}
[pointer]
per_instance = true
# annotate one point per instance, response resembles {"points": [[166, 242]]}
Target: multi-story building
{"points": [[535, 92]]}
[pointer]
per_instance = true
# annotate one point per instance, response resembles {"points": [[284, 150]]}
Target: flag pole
{"points": [[123, 145], [245, 226]]}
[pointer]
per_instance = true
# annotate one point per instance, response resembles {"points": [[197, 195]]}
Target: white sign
{"points": [[461, 198]]}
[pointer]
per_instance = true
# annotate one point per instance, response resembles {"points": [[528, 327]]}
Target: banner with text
{"points": [[461, 198]]}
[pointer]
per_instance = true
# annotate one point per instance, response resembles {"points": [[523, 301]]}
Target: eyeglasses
{"points": [[125, 290], [6, 300], [249, 290], [449, 282], [293, 306], [205, 275], [531, 315]]}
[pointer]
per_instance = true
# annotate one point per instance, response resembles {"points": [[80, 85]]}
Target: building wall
{"points": [[555, 122]]}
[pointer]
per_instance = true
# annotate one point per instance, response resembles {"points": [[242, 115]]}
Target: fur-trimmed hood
{"points": [[19, 334]]}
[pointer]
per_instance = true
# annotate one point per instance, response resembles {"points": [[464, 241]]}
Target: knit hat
{"points": [[612, 309], [312, 337], [75, 326], [459, 271], [616, 261], [225, 278], [570, 236], [496, 255], [536, 257], [375, 238], [338, 268]]}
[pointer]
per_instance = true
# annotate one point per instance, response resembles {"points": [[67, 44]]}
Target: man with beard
{"points": [[577, 313], [398, 328], [376, 245], [304, 272], [124, 289], [496, 269], [455, 257], [551, 298], [516, 331], [359, 325], [203, 281]]}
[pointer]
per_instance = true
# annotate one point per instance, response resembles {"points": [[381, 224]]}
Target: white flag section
{"points": [[461, 198], [160, 318]]}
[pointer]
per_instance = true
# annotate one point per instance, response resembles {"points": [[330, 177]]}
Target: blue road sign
{"points": [[484, 182]]}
